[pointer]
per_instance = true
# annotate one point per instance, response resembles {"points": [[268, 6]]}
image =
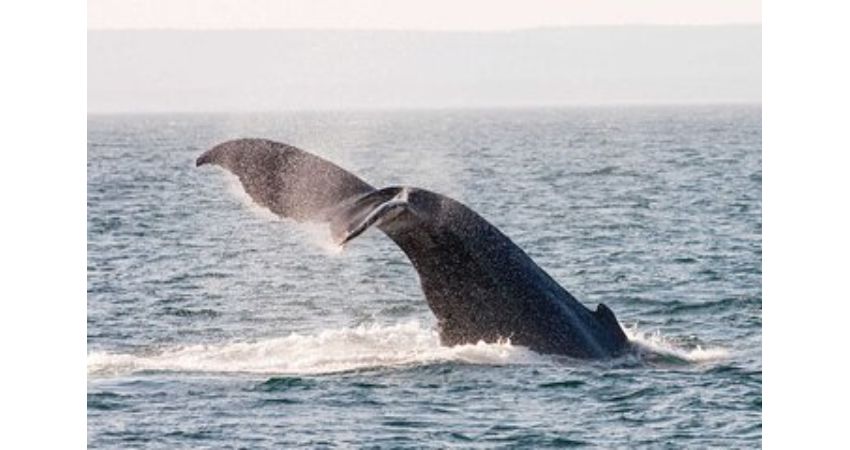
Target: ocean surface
{"points": [[214, 324]]}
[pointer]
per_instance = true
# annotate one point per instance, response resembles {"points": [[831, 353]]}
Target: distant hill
{"points": [[161, 70]]}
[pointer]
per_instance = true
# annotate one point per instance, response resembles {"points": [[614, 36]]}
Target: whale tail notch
{"points": [[377, 208]]}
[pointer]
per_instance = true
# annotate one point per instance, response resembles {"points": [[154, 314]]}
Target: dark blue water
{"points": [[212, 323]]}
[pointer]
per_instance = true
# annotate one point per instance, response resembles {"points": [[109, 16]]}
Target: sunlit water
{"points": [[211, 323]]}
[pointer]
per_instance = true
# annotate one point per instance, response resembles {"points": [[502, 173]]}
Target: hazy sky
{"points": [[408, 14], [260, 55], [168, 71]]}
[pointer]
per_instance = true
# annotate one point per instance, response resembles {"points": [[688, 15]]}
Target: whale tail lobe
{"points": [[295, 184], [288, 181]]}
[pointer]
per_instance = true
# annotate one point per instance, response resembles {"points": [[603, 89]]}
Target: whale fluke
{"points": [[289, 182], [478, 283]]}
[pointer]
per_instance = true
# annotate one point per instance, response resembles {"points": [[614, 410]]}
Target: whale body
{"points": [[477, 282]]}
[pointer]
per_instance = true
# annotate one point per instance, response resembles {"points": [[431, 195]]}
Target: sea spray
{"points": [[653, 346], [317, 234]]}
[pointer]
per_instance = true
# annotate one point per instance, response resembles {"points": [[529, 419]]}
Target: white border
{"points": [[43, 238], [806, 198], [805, 224]]}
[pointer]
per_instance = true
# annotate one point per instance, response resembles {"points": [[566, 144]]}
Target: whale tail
{"points": [[479, 284]]}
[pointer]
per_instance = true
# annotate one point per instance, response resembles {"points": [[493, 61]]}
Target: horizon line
{"points": [[367, 109]]}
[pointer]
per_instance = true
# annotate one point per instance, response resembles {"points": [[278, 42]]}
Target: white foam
{"points": [[653, 343], [326, 352]]}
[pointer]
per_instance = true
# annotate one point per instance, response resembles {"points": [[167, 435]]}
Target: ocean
{"points": [[214, 324]]}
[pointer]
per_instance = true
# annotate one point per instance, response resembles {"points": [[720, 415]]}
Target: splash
{"points": [[329, 351], [318, 235], [363, 347], [654, 347], [234, 187]]}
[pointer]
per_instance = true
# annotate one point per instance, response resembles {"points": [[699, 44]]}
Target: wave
{"points": [[363, 347]]}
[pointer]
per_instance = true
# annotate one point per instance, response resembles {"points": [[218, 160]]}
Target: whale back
{"points": [[479, 284]]}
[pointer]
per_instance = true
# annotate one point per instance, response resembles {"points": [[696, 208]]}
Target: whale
{"points": [[479, 285]]}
